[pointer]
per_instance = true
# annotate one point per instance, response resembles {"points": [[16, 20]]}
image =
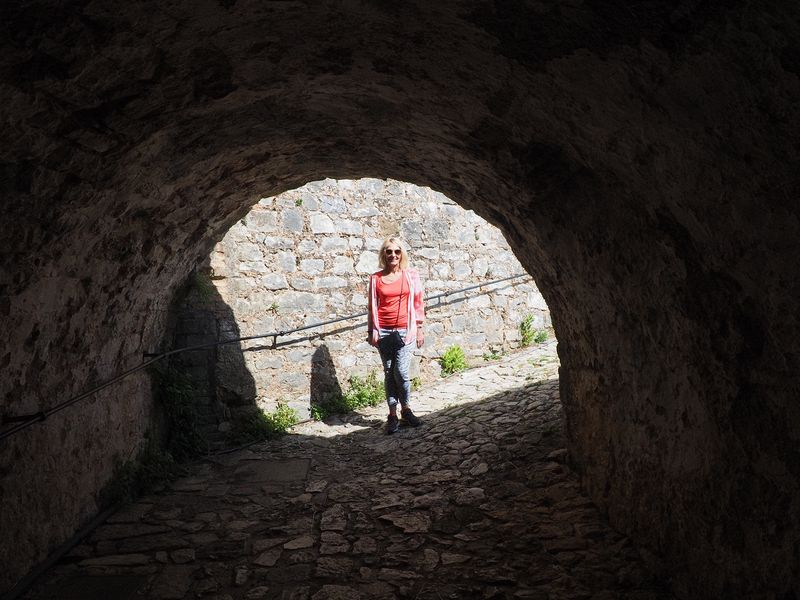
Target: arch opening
{"points": [[646, 180], [303, 258]]}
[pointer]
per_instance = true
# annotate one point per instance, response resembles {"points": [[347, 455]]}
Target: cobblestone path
{"points": [[475, 503]]}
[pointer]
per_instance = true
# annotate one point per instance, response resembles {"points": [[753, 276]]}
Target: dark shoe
{"points": [[409, 418], [392, 424]]}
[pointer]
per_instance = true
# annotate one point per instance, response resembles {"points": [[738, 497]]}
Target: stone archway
{"points": [[642, 160]]}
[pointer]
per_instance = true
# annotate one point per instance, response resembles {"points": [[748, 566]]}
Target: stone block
{"points": [[365, 211], [277, 242], [367, 262], [307, 247], [371, 186], [343, 265], [412, 230], [300, 355], [312, 266], [476, 341], [498, 300], [427, 252], [436, 229], [292, 220], [373, 244], [479, 267], [478, 302], [359, 300], [273, 281], [330, 282], [321, 223], [334, 244], [434, 328], [301, 407], [465, 235], [270, 361], [301, 283], [309, 200], [347, 361], [332, 204], [263, 221], [348, 227], [252, 267], [441, 271], [461, 270], [249, 252], [458, 323], [287, 262]]}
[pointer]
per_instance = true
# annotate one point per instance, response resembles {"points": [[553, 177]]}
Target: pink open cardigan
{"points": [[416, 310]]}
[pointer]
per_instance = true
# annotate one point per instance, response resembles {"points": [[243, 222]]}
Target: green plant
{"points": [[298, 202], [367, 391], [317, 413], [526, 331], [453, 360], [149, 471], [416, 383], [362, 392], [492, 354], [256, 425], [176, 396], [528, 335], [273, 308]]}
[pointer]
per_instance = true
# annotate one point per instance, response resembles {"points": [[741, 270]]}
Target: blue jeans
{"points": [[396, 365]]}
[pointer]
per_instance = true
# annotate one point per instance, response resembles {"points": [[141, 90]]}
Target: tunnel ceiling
{"points": [[640, 157]]}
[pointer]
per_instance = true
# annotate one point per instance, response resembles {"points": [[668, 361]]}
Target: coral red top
{"points": [[393, 303], [416, 309]]}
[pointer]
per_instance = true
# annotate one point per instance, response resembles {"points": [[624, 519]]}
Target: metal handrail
{"points": [[25, 421]]}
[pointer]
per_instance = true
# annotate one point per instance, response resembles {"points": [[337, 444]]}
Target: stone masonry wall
{"points": [[304, 257]]}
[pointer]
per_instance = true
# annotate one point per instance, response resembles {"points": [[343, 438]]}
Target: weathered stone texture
{"points": [[640, 158], [328, 286]]}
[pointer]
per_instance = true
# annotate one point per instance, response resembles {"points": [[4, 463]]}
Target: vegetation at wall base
{"points": [[528, 335], [526, 331], [257, 425], [362, 392], [493, 354], [177, 397], [154, 466], [150, 471], [453, 360], [416, 383]]}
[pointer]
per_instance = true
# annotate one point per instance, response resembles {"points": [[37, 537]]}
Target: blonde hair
{"points": [[403, 253]]}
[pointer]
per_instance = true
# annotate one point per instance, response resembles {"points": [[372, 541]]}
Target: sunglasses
{"points": [[397, 252]]}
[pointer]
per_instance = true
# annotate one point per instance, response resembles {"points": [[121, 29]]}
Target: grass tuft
{"points": [[362, 392], [453, 360]]}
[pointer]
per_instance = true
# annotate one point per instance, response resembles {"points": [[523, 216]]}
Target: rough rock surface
{"points": [[275, 271], [641, 159], [378, 516]]}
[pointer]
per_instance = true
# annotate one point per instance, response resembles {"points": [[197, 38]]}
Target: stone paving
{"points": [[475, 503]]}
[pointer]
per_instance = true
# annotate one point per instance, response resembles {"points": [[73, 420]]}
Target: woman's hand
{"points": [[420, 339], [373, 339]]}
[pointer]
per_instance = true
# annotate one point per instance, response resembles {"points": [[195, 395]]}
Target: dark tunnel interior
{"points": [[640, 157]]}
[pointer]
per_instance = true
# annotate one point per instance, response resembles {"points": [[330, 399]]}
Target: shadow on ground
{"points": [[476, 503]]}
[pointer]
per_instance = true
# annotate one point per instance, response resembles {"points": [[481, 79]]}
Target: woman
{"points": [[395, 305]]}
